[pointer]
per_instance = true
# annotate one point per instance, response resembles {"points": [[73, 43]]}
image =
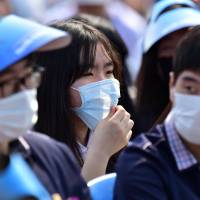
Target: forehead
{"points": [[101, 52], [97, 54]]}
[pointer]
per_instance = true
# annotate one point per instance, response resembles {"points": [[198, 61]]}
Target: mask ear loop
{"points": [[79, 94], [75, 89]]}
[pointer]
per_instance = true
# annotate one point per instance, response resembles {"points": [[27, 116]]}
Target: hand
{"points": [[112, 133]]}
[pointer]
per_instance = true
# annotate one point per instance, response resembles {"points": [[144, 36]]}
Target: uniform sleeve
{"points": [[139, 177], [56, 167], [78, 186]]}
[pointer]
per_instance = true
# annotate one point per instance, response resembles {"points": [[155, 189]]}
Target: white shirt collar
{"points": [[83, 148]]}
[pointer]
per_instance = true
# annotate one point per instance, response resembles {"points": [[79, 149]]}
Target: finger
{"points": [[119, 114], [129, 136], [125, 120], [129, 126]]}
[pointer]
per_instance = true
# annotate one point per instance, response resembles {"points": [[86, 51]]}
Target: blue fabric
{"points": [[184, 158], [147, 170], [20, 37], [19, 174], [169, 22], [102, 187], [54, 165], [163, 4]]}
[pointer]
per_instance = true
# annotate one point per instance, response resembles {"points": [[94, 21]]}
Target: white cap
{"points": [[170, 21]]}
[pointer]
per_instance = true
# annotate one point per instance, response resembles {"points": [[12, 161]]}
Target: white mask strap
{"points": [[75, 89]]}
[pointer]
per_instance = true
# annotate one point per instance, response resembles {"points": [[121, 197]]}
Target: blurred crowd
{"points": [[93, 87]]}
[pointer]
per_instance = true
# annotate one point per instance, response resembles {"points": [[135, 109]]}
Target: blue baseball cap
{"points": [[169, 22], [19, 37]]}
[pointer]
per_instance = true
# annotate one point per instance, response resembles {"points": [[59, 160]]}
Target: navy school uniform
{"points": [[148, 170], [54, 165]]}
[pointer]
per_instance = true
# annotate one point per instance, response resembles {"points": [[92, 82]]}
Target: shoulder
{"points": [[41, 140], [141, 168], [148, 144], [56, 165], [47, 148]]}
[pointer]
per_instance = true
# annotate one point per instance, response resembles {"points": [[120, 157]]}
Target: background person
{"points": [[51, 161], [164, 163], [160, 41]]}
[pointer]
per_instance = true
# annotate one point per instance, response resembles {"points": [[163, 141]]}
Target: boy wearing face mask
{"points": [[164, 163], [51, 162]]}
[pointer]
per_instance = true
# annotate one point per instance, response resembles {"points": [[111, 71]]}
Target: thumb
{"points": [[112, 112]]}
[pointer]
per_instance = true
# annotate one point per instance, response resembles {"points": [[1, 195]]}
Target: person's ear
{"points": [[171, 86]]}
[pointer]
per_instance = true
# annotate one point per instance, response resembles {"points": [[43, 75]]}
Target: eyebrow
{"points": [[191, 79], [108, 64]]}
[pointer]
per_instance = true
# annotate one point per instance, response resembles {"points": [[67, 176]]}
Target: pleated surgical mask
{"points": [[186, 115], [18, 113], [97, 99]]}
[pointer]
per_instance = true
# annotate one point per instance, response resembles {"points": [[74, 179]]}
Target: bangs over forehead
{"points": [[188, 53], [87, 53], [83, 47]]}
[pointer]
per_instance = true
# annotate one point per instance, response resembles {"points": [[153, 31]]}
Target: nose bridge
{"points": [[100, 75]]}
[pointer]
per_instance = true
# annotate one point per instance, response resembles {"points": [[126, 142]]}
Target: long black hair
{"points": [[152, 95], [152, 92], [106, 27], [63, 67]]}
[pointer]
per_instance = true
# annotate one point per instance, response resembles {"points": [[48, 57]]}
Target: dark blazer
{"points": [[54, 165], [147, 171]]}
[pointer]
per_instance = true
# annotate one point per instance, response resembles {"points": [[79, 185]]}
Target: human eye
{"points": [[191, 89], [109, 73], [110, 70]]}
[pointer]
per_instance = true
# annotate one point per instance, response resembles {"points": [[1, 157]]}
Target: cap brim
{"points": [[20, 37], [92, 2], [56, 44], [161, 5], [168, 23]]}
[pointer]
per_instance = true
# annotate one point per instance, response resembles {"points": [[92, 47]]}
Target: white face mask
{"points": [[186, 116], [18, 113], [97, 99]]}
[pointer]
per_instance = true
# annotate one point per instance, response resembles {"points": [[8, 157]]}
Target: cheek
{"points": [[75, 98]]}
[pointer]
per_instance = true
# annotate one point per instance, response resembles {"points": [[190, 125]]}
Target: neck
{"points": [[81, 131], [97, 10], [194, 148]]}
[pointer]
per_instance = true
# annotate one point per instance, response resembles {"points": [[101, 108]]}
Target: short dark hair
{"points": [[187, 55]]}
